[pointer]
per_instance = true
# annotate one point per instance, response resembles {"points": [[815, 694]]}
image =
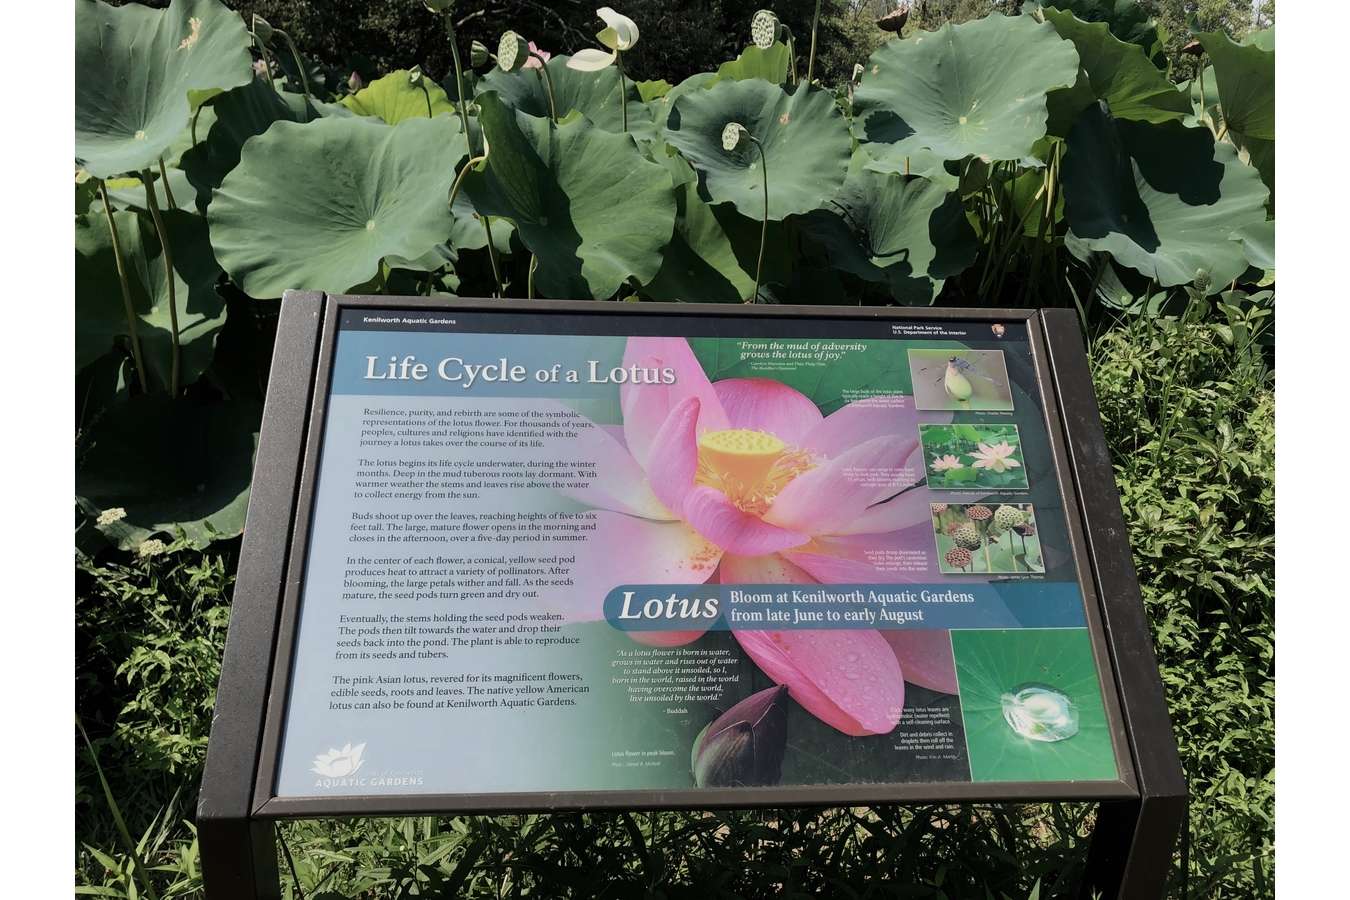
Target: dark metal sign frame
{"points": [[1140, 813]]}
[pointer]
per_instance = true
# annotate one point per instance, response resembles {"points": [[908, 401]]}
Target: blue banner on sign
{"points": [[780, 607]]}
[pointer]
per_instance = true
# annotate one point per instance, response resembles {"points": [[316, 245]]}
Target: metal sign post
{"points": [[925, 491]]}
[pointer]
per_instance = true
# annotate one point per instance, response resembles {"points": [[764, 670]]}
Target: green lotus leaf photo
{"points": [[397, 96], [134, 70]]}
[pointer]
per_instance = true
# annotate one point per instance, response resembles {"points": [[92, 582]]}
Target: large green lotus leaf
{"points": [[1246, 76], [100, 313], [318, 206], [767, 65], [1127, 19], [394, 98], [1265, 39], [593, 94], [239, 115], [134, 68], [129, 193], [653, 90], [907, 232], [1114, 71], [169, 464], [1162, 199], [977, 89], [715, 251], [1258, 244], [804, 137], [589, 205]]}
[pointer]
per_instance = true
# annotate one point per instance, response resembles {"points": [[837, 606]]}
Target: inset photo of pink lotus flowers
{"points": [[973, 456]]}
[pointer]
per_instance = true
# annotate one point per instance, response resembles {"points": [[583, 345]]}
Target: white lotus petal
{"points": [[621, 29], [589, 60]]}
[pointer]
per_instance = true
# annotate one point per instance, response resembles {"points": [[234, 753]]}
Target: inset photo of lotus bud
{"points": [[744, 746]]}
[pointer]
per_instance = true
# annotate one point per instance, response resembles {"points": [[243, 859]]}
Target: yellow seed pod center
{"points": [[743, 455]]}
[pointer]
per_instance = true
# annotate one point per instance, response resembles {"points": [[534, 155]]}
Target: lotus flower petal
{"points": [[628, 550], [910, 508], [674, 455], [620, 33], [591, 60], [646, 406], [762, 404], [620, 483], [771, 569], [850, 680], [724, 524], [925, 657], [830, 497]]}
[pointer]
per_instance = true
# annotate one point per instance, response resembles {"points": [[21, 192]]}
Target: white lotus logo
{"points": [[339, 763]]}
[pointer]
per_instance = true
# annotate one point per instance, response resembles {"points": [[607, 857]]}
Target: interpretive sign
{"points": [[548, 556]]}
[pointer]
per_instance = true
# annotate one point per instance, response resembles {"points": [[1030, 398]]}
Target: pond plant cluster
{"points": [[1045, 158]]}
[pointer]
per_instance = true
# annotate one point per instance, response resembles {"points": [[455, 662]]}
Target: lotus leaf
{"points": [[805, 141], [1114, 71], [1162, 199], [977, 89], [170, 465], [1246, 85], [319, 205], [593, 94], [394, 98], [100, 318], [134, 69], [589, 205], [1127, 19], [768, 65], [907, 232]]}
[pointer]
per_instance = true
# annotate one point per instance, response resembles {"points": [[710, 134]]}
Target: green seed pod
{"points": [[479, 54], [439, 6], [764, 29], [415, 76], [967, 537], [733, 135], [513, 52], [1006, 517]]}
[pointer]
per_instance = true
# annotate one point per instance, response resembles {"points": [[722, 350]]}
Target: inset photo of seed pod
{"points": [[988, 538]]}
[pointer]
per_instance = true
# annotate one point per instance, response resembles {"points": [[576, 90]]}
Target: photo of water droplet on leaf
{"points": [[1032, 705], [960, 380]]}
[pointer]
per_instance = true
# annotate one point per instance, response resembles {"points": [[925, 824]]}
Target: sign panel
{"points": [[580, 552]]}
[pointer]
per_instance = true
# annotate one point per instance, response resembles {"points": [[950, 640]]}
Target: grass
{"points": [[1189, 413]]}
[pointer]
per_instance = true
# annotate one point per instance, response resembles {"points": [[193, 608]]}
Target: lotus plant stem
{"points": [[623, 89], [492, 258], [126, 288], [164, 179], [426, 95], [267, 60], [460, 102], [299, 65], [167, 253], [811, 59], [548, 85], [792, 61], [529, 283], [764, 224]]}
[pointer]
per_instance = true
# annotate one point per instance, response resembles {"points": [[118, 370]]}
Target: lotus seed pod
{"points": [[415, 76], [513, 51], [958, 557], [979, 513], [857, 73], [968, 537], [1006, 517], [1202, 280], [894, 21], [1026, 529], [733, 136], [479, 54], [439, 6], [939, 508], [764, 29], [261, 29]]}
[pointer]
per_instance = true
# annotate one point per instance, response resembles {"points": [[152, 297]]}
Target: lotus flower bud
{"points": [[733, 136], [857, 73], [894, 21], [479, 54], [764, 29], [262, 30], [355, 82], [744, 745], [415, 76], [513, 51]]}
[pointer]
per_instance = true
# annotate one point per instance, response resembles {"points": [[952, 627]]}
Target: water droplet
{"points": [[1039, 712]]}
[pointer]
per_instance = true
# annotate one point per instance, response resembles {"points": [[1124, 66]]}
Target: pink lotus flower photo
{"points": [[744, 481]]}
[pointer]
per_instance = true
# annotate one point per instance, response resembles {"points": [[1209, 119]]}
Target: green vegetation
{"points": [[1080, 171]]}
